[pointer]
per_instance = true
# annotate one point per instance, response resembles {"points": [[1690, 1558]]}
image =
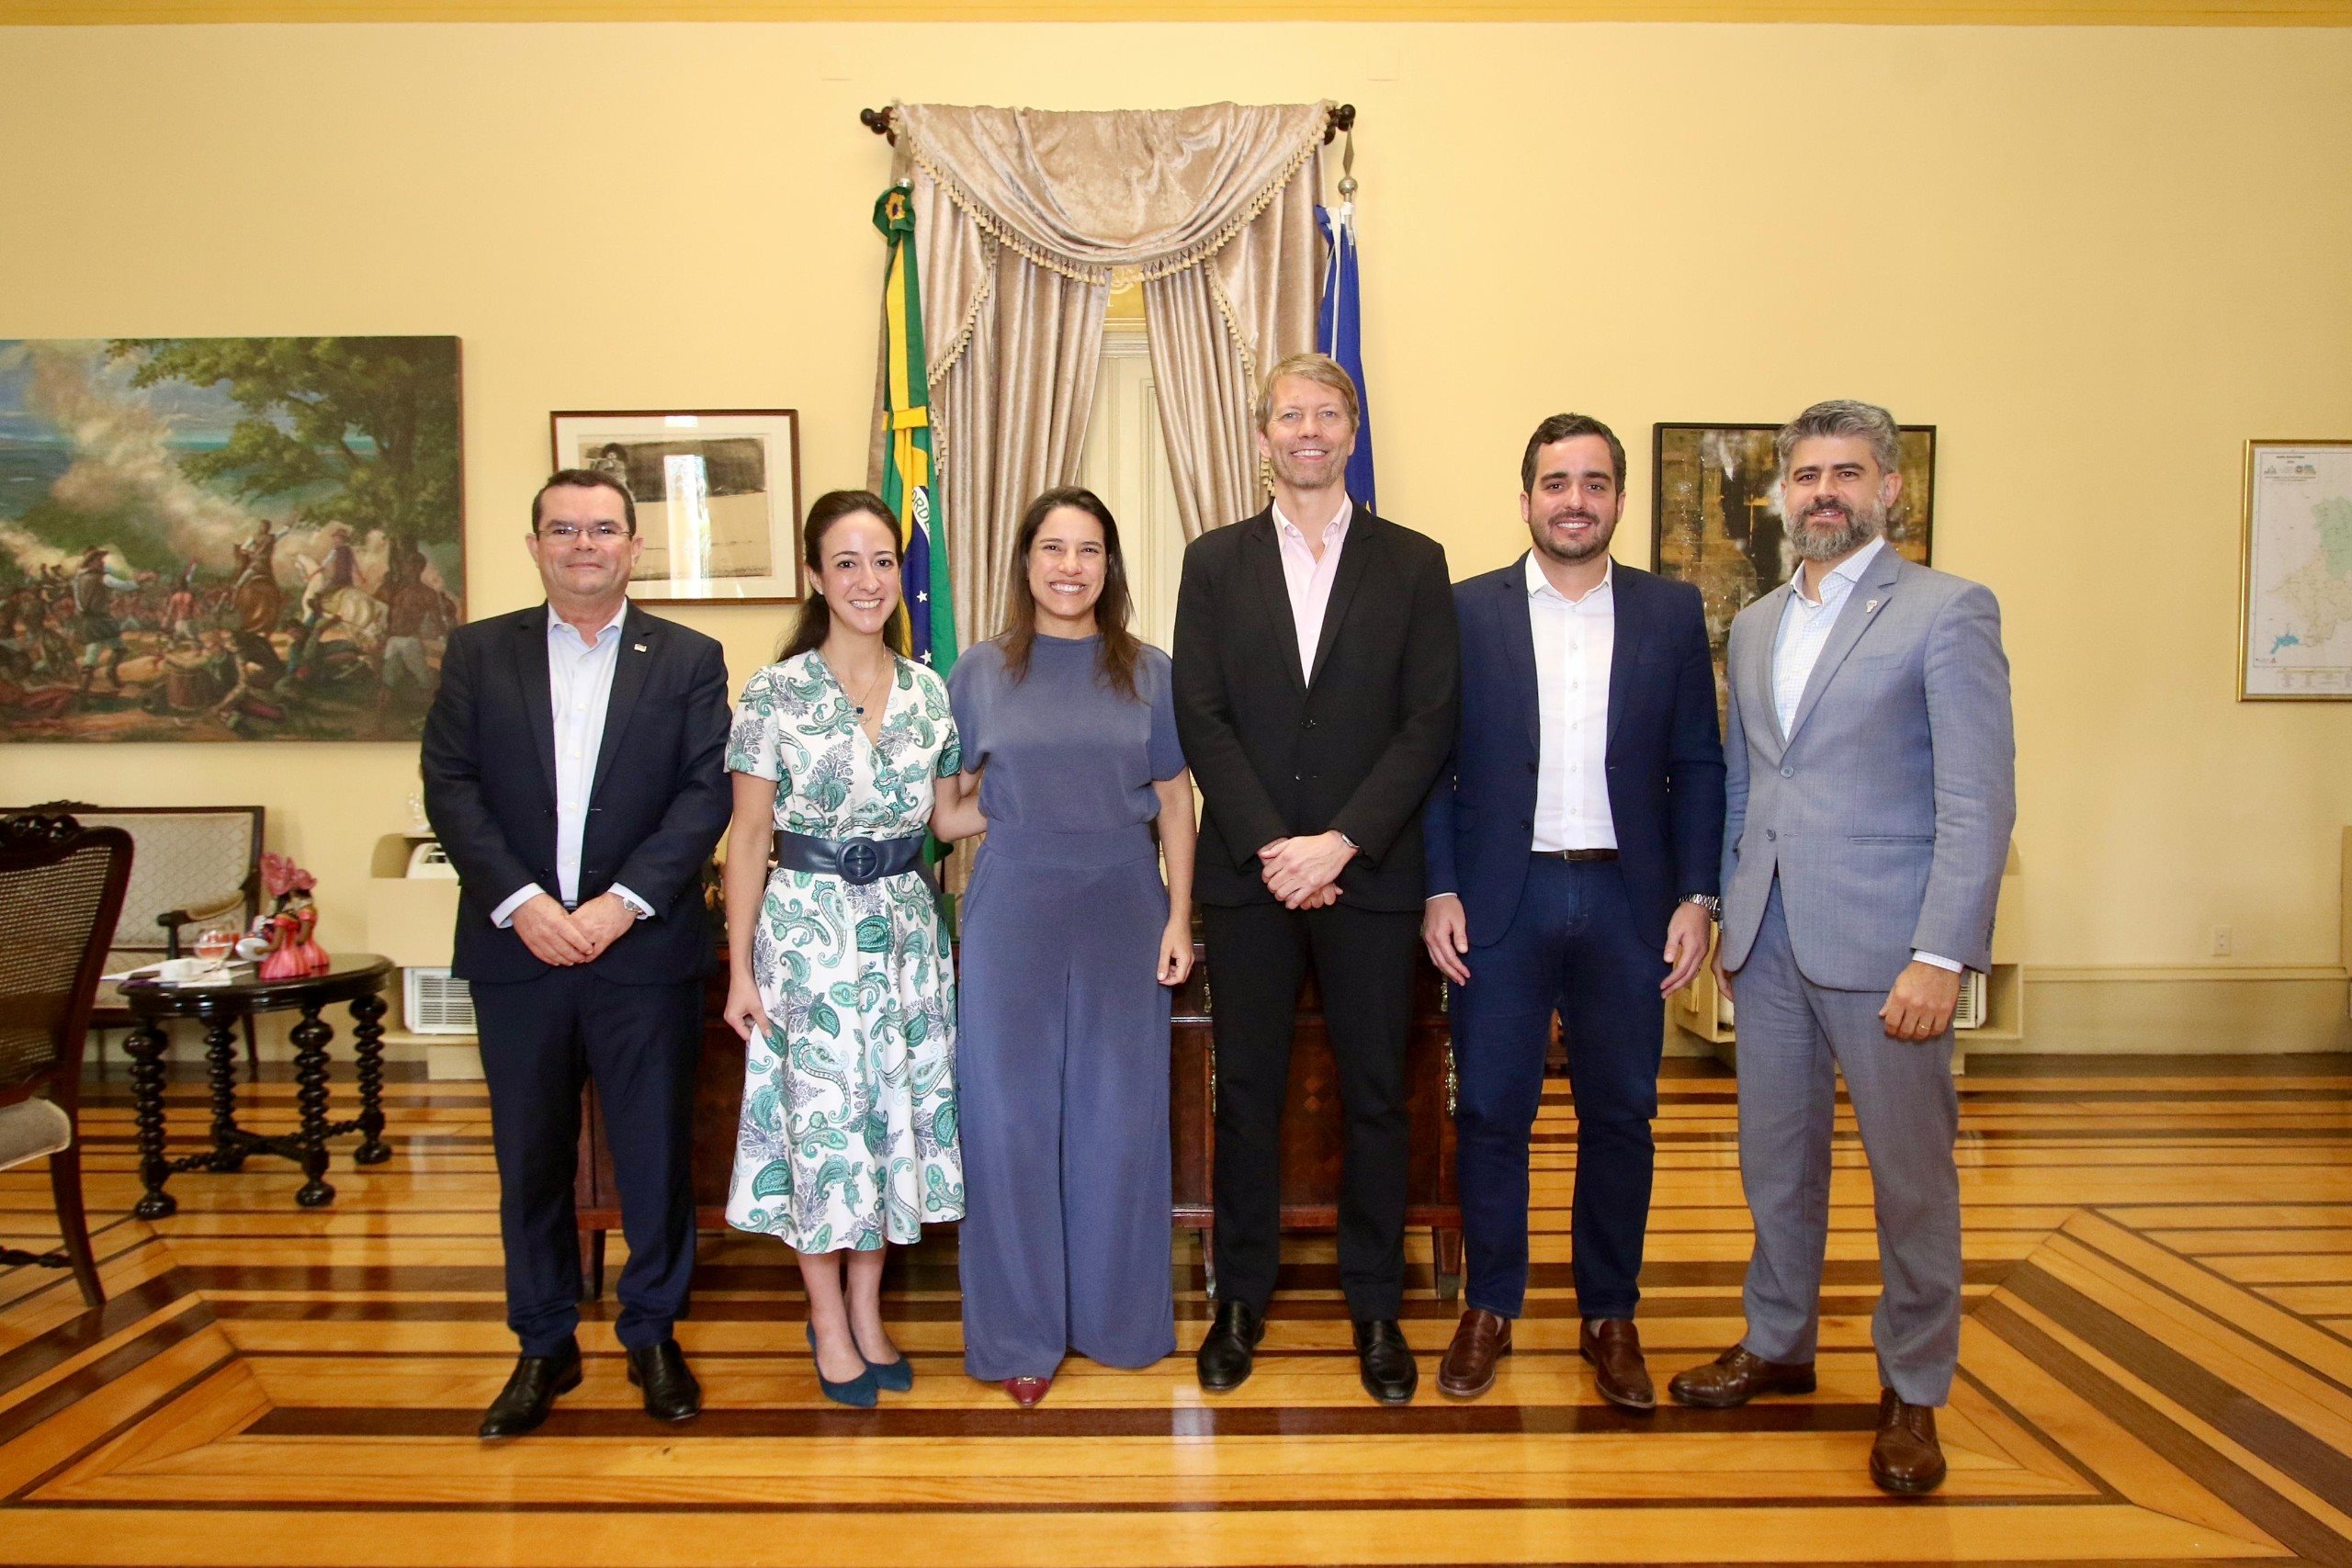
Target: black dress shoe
{"points": [[1389, 1372], [1225, 1355], [523, 1403], [671, 1391]]}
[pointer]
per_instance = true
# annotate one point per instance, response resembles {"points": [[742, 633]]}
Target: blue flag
{"points": [[1338, 333]]}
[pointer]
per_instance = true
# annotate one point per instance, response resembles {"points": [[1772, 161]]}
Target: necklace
{"points": [[859, 705]]}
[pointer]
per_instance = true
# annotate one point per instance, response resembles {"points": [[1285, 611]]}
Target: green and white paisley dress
{"points": [[848, 1131]]}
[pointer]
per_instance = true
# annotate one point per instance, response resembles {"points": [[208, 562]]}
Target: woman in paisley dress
{"points": [[841, 984]]}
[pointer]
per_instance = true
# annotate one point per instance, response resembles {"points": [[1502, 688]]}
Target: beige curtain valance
{"points": [[1026, 219], [1092, 195]]}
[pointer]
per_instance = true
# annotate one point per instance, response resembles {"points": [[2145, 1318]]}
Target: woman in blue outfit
{"points": [[1070, 941]]}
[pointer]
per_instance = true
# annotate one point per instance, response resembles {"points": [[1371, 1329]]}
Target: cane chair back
{"points": [[61, 893], [61, 887], [202, 864], [195, 867]]}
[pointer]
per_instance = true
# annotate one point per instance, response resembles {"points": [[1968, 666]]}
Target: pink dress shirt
{"points": [[1309, 579]]}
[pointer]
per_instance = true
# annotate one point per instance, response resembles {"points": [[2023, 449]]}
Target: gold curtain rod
{"points": [[1339, 118]]}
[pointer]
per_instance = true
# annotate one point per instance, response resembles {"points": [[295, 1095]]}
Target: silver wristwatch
{"points": [[1709, 902]]}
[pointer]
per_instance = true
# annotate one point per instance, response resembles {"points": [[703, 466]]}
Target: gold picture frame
{"points": [[2295, 572]]}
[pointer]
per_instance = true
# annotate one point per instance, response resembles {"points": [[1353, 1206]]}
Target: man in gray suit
{"points": [[1870, 790]]}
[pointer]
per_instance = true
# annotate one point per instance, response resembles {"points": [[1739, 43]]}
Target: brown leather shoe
{"points": [[1618, 1371], [1736, 1377], [1906, 1459], [1480, 1339]]}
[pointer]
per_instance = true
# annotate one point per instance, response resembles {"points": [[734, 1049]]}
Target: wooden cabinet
{"points": [[1311, 1136], [719, 1105]]}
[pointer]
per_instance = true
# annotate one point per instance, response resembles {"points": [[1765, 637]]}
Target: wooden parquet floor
{"points": [[2157, 1368]]}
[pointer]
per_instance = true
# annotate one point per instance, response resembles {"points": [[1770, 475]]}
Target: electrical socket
{"points": [[2222, 941]]}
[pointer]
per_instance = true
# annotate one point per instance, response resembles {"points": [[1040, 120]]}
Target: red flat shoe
{"points": [[1028, 1392]]}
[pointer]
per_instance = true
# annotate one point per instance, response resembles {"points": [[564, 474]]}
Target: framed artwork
{"points": [[718, 494], [227, 539], [2295, 572], [1716, 505]]}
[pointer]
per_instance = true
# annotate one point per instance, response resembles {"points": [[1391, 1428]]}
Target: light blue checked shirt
{"points": [[580, 687], [1805, 626]]}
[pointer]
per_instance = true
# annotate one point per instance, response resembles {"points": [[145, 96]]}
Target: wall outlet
{"points": [[2222, 941]]}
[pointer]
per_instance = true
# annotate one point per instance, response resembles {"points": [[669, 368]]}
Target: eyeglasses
{"points": [[564, 532]]}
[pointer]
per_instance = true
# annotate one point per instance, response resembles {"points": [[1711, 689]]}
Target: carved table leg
{"points": [[146, 1048], [368, 1031], [220, 1061], [311, 1037]]}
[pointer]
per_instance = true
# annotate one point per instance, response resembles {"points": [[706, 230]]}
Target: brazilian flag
{"points": [[928, 609]]}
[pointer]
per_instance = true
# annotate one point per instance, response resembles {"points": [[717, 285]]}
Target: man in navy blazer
{"points": [[574, 768], [1573, 843]]}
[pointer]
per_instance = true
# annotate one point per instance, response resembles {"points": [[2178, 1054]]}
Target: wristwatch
{"points": [[1709, 902]]}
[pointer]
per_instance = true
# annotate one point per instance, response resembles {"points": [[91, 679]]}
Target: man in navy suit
{"points": [[574, 768], [1573, 857]]}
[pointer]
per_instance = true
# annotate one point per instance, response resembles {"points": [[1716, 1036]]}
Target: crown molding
{"points": [[1904, 13]]}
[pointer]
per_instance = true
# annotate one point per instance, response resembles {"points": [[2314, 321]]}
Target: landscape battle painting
{"points": [[227, 539]]}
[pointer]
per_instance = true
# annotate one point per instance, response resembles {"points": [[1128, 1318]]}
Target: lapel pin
{"points": [[640, 647], [1866, 610]]}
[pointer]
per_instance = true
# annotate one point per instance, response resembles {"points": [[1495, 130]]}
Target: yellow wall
{"points": [[2099, 260]]}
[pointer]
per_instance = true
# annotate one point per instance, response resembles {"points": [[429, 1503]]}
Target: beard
{"points": [[1856, 527], [1595, 543]]}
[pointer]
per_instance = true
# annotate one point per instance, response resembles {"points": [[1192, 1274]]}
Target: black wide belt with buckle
{"points": [[855, 861], [1575, 855]]}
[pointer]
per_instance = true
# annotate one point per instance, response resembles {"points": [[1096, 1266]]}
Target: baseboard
{"points": [[2171, 1010]]}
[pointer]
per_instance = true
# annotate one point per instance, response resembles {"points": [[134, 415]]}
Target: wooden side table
{"points": [[357, 978]]}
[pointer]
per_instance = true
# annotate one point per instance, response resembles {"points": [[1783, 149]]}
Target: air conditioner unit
{"points": [[436, 1002], [1969, 1011]]}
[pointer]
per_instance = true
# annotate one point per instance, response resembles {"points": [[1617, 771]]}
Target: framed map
{"points": [[1717, 506], [2295, 588]]}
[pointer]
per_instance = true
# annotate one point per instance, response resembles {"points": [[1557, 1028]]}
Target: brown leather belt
{"points": [[1574, 856]]}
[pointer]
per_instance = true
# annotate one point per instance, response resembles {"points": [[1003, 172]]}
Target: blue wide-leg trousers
{"points": [[1062, 1069]]}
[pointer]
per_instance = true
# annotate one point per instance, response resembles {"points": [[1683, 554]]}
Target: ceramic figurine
{"points": [[293, 949], [305, 944], [284, 960]]}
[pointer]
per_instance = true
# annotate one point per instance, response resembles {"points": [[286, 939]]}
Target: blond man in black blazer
{"points": [[1315, 682]]}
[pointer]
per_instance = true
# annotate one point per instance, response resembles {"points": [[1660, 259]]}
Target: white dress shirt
{"points": [[1805, 626], [1309, 578], [579, 688], [1575, 641]]}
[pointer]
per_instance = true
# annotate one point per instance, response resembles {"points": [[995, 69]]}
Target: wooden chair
{"points": [[62, 888], [193, 866]]}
